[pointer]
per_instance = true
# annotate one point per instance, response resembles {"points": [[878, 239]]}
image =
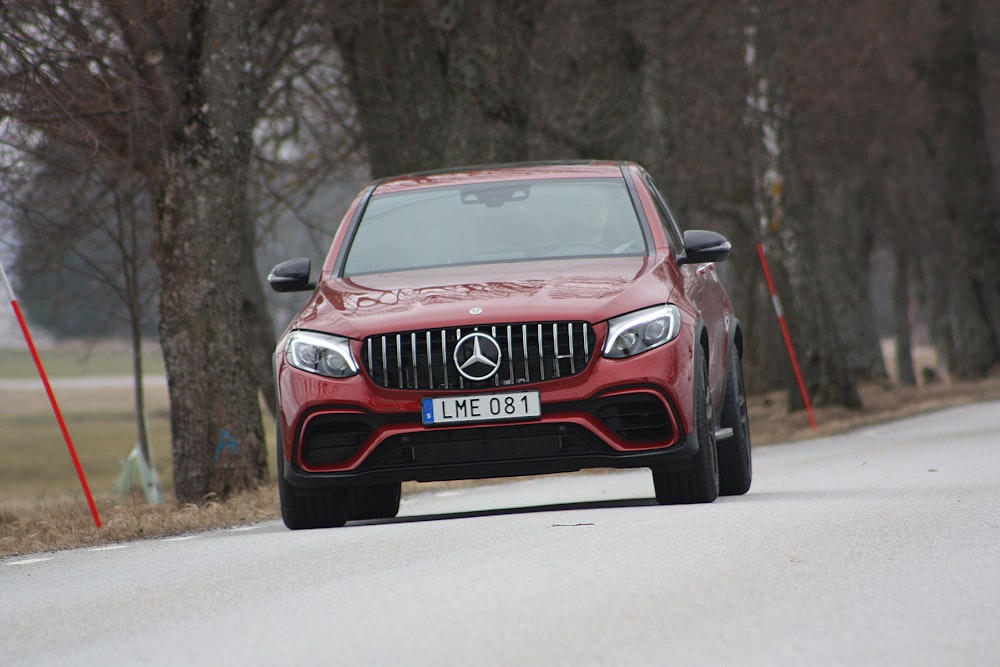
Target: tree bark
{"points": [[214, 411], [905, 374], [437, 84], [202, 221], [969, 189]]}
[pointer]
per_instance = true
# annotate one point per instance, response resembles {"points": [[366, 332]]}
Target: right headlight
{"points": [[322, 354], [642, 330]]}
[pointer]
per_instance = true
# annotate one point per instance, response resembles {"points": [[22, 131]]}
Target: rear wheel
{"points": [[698, 480], [321, 508], [735, 465], [378, 501]]}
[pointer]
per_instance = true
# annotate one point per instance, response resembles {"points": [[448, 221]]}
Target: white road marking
{"points": [[29, 561]]}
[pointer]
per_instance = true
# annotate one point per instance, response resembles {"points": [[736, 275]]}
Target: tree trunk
{"points": [[214, 410], [397, 69], [202, 221], [809, 266], [905, 374], [819, 299], [437, 84], [587, 75], [969, 190]]}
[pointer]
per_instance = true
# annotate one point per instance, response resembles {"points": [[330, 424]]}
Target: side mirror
{"points": [[291, 276], [702, 247]]}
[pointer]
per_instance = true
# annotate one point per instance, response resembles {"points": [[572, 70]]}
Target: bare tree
{"points": [[91, 223], [174, 91]]}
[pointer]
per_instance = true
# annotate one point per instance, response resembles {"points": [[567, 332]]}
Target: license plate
{"points": [[481, 408]]}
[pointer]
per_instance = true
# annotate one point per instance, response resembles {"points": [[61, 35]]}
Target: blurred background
{"points": [[858, 141]]}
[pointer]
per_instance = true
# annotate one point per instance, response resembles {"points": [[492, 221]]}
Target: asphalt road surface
{"points": [[877, 548]]}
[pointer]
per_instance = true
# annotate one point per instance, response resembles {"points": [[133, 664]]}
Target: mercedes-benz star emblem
{"points": [[477, 356]]}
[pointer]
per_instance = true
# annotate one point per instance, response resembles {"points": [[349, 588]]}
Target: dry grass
{"points": [[772, 424], [42, 509], [65, 523]]}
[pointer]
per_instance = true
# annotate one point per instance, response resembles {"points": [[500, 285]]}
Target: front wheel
{"points": [[698, 480], [326, 508], [377, 501]]}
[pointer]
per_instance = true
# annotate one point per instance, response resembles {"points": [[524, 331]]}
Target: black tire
{"points": [[326, 508], [378, 501], [735, 458], [698, 480]]}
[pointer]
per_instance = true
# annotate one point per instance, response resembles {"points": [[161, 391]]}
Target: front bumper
{"points": [[621, 413]]}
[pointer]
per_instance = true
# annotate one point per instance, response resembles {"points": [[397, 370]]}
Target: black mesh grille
{"points": [[493, 444], [333, 441], [530, 352], [640, 419]]}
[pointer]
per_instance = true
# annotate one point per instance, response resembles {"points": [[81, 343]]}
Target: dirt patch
{"points": [[31, 527]]}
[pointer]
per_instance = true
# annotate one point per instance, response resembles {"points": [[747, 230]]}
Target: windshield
{"points": [[495, 222]]}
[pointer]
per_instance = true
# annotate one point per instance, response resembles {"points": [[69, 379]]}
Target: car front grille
{"points": [[530, 352]]}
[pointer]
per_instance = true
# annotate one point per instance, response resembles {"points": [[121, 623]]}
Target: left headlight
{"points": [[642, 330], [322, 354]]}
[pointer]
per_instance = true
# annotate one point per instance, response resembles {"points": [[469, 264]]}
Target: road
{"points": [[877, 548]]}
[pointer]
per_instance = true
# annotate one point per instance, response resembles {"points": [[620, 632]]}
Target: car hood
{"points": [[592, 289]]}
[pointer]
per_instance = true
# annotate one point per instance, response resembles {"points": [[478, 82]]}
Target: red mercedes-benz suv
{"points": [[508, 320]]}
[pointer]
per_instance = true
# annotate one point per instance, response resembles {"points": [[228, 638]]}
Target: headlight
{"points": [[321, 354], [642, 330]]}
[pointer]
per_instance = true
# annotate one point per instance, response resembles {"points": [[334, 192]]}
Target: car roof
{"points": [[515, 171]]}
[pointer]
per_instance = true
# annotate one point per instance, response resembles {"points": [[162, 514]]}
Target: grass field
{"points": [[99, 413], [78, 360]]}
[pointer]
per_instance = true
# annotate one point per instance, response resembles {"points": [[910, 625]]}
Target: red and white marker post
{"points": [[48, 390], [779, 311]]}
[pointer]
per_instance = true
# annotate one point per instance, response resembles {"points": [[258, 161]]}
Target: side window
{"points": [[667, 219]]}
